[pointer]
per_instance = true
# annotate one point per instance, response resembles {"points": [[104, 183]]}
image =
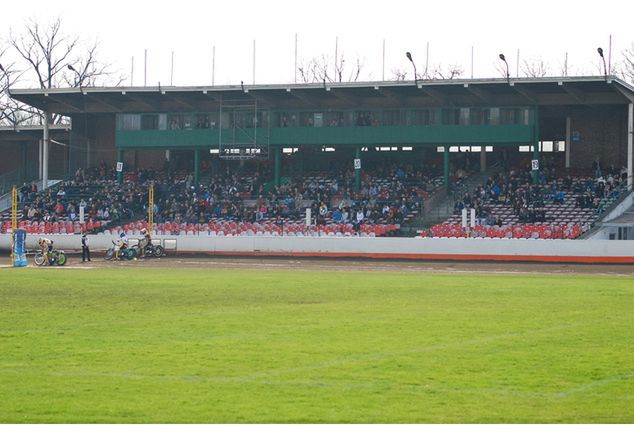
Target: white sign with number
{"points": [[535, 165], [357, 163], [119, 166]]}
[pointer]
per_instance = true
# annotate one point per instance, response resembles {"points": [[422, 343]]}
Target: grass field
{"points": [[226, 346]]}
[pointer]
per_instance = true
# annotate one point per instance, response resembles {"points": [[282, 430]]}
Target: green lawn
{"points": [[226, 346]]}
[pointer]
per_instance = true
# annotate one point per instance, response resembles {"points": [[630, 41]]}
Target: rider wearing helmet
{"points": [[146, 240], [46, 245], [122, 243]]}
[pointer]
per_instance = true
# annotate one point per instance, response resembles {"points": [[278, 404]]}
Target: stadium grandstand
{"points": [[532, 157]]}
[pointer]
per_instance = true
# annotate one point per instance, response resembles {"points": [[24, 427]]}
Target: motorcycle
{"points": [[55, 257], [150, 249], [124, 253]]}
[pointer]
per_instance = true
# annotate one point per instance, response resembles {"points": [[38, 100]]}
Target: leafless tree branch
{"points": [[535, 68], [324, 69]]}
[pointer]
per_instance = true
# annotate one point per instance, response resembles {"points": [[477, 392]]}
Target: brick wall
{"points": [[103, 146], [599, 132]]}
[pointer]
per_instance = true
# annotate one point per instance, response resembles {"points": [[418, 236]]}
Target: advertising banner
{"points": [[19, 248]]}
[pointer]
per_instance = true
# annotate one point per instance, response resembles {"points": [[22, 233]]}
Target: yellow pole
{"points": [[14, 219], [150, 209]]}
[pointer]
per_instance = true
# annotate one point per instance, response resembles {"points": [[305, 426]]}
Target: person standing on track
{"points": [[85, 249]]}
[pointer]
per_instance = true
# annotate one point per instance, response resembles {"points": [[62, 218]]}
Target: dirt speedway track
{"points": [[322, 264]]}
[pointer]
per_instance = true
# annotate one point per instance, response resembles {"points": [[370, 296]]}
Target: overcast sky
{"points": [[539, 29]]}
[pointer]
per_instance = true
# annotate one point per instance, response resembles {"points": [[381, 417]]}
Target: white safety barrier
{"points": [[590, 251]]}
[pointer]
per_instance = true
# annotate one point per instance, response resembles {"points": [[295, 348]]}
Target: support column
{"points": [[483, 159], [278, 165], [87, 153], [39, 165], [196, 167], [446, 167], [568, 140], [23, 163], [119, 159], [630, 124], [45, 144], [536, 144], [357, 172]]}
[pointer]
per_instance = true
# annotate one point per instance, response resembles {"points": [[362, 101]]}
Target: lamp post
{"points": [[507, 68], [409, 57], [71, 68], [605, 70]]}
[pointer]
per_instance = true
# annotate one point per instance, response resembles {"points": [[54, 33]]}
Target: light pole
{"points": [[507, 68], [605, 70], [71, 68], [409, 57]]}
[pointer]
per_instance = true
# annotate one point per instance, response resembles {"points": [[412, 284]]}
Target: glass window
{"points": [[509, 116], [493, 116], [210, 120], [477, 116], [451, 116], [287, 119], [188, 121], [162, 122], [423, 117], [175, 122], [149, 122], [129, 122], [366, 118], [392, 118], [334, 119], [253, 119], [203, 121], [240, 119], [464, 116], [306, 119]]}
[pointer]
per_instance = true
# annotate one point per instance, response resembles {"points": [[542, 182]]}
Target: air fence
{"points": [[579, 251]]}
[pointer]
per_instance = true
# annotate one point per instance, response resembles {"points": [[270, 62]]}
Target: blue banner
{"points": [[19, 249]]}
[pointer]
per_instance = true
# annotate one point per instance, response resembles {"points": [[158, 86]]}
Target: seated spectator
{"points": [[336, 216]]}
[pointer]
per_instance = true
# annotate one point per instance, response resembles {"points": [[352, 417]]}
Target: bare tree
{"points": [[399, 74], [628, 64], [12, 113], [444, 73], [535, 68], [326, 69], [48, 54]]}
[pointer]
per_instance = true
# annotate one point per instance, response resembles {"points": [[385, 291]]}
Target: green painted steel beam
{"points": [[278, 165], [120, 159], [446, 166], [357, 172], [196, 167], [536, 144]]}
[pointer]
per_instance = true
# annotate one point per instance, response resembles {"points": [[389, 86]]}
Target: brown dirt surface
{"points": [[341, 264]]}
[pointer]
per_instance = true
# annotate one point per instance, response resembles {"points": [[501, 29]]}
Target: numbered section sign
{"points": [[535, 165]]}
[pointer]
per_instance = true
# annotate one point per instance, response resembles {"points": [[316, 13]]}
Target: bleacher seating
{"points": [[512, 207]]}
